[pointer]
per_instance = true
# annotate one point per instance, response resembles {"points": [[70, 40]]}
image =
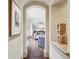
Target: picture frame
{"points": [[14, 18]]}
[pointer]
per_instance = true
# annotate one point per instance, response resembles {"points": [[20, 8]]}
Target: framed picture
{"points": [[14, 19]]}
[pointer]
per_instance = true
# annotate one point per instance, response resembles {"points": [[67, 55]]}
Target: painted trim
{"points": [[25, 54], [46, 54]]}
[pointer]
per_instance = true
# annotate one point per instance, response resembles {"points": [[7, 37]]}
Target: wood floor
{"points": [[44, 58], [34, 52]]}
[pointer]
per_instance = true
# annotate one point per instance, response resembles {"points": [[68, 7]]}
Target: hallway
{"points": [[34, 52], [35, 24], [38, 29]]}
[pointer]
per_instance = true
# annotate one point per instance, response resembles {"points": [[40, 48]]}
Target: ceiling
{"points": [[48, 2], [57, 1]]}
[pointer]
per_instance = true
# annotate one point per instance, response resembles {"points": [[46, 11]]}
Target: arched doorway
{"points": [[38, 3]]}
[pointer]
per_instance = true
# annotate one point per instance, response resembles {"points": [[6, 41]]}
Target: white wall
{"points": [[47, 34], [16, 45], [55, 53], [29, 28], [15, 48]]}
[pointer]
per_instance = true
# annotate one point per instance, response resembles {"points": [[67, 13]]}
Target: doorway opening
{"points": [[36, 29]]}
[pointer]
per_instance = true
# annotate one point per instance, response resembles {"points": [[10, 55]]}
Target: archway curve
{"points": [[38, 3]]}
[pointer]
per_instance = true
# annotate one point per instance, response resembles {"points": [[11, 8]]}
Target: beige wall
{"points": [[58, 15], [16, 44]]}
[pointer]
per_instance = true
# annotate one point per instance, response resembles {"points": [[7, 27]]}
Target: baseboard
{"points": [[46, 54], [51, 57], [25, 54], [21, 57]]}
